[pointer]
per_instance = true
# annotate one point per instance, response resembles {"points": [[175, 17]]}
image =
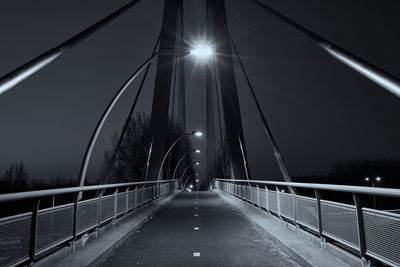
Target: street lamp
{"points": [[195, 133], [202, 51], [180, 160], [377, 179], [187, 167]]}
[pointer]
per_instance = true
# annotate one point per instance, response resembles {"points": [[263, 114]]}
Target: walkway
{"points": [[199, 229]]}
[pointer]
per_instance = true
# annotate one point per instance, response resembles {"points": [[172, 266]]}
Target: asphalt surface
{"points": [[218, 236]]}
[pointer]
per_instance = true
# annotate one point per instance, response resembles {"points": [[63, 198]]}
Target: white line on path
{"points": [[196, 254], [196, 228]]}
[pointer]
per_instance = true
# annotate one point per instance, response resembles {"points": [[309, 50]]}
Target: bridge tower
{"points": [[225, 76], [169, 41]]}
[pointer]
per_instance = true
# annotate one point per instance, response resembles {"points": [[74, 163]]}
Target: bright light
{"points": [[202, 51], [191, 186], [198, 133], [366, 179], [378, 179], [197, 180], [197, 163], [197, 150]]}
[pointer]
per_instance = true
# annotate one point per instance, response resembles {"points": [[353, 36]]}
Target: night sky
{"points": [[319, 110]]}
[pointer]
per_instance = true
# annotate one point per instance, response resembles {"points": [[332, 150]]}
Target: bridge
{"points": [[175, 212]]}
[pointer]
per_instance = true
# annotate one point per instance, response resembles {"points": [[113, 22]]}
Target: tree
{"points": [[17, 176], [130, 162]]}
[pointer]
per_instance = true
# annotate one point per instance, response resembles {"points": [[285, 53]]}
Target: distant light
{"points": [[197, 180], [378, 179], [202, 51], [366, 179], [197, 163], [191, 186], [283, 191], [197, 150], [198, 133]]}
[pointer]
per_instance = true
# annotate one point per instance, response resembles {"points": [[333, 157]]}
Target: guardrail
{"points": [[26, 236], [373, 233]]}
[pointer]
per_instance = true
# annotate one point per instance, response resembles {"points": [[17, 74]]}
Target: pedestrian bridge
{"points": [[235, 223]]}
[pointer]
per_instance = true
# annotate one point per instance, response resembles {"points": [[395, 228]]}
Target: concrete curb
{"points": [[95, 248], [302, 246]]}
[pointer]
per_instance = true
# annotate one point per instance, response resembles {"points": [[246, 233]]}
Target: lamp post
{"points": [[377, 179], [198, 52], [180, 160], [187, 179], [187, 167], [197, 133]]}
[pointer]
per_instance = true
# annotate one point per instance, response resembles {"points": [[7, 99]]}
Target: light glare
{"points": [[201, 51]]}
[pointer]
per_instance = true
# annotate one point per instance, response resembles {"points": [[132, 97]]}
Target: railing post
{"points": [[75, 221], [33, 234], [266, 199], [126, 201], [136, 191], [360, 225], [99, 209], [319, 214], [250, 187], [258, 196], [115, 203], [278, 202], [294, 206]]}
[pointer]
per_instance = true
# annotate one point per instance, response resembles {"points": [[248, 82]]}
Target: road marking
{"points": [[196, 254], [196, 215], [196, 228], [195, 208]]}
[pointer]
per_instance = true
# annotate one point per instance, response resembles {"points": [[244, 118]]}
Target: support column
{"points": [[219, 33], [162, 88]]}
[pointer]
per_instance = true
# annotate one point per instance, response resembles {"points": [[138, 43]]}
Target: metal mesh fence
{"points": [[339, 222], [54, 225], [107, 208], [272, 201], [306, 212], [262, 198], [139, 197], [121, 203], [382, 233], [14, 242], [132, 199], [254, 195], [286, 205], [87, 215]]}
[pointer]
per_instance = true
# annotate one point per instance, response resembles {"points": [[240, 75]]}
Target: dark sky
{"points": [[320, 111]]}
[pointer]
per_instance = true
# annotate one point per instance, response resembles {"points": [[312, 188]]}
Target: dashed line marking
{"points": [[196, 228], [196, 254], [196, 215]]}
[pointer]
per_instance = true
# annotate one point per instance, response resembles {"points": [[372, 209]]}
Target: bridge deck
{"points": [[224, 237]]}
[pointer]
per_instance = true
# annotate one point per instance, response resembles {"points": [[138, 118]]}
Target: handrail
{"points": [[50, 192], [389, 192]]}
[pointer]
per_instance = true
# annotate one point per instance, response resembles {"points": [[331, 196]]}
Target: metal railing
{"points": [[27, 236], [373, 233]]}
